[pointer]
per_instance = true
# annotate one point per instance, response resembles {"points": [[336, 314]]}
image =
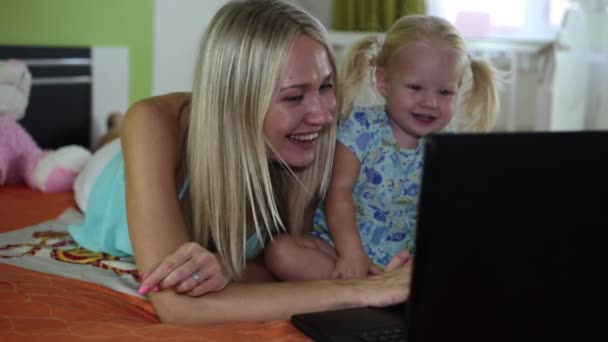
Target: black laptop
{"points": [[511, 245]]}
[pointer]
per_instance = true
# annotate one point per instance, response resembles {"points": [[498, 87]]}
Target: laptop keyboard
{"points": [[384, 334]]}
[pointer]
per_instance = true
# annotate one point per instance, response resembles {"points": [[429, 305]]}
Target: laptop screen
{"points": [[511, 238]]}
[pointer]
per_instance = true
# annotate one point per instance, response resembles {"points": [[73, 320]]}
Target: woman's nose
{"points": [[321, 111]]}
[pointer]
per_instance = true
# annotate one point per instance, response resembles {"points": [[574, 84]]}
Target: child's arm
{"points": [[352, 261]]}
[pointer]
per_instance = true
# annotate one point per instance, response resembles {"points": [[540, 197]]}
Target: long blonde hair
{"points": [[233, 185], [480, 102]]}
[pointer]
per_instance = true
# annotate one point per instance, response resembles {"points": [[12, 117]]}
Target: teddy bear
{"points": [[21, 159]]}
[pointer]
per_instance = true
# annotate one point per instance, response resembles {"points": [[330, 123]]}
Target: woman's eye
{"points": [[295, 98]]}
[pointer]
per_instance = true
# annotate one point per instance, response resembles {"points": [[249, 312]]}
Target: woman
{"points": [[204, 179]]}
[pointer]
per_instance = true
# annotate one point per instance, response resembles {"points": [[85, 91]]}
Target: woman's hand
{"points": [[191, 270], [390, 287]]}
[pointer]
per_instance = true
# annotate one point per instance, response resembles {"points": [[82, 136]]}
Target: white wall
{"points": [[179, 25], [110, 67]]}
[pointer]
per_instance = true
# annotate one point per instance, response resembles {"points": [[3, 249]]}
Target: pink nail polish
{"points": [[156, 289], [143, 289]]}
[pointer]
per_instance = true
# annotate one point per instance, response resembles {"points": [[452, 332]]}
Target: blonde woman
{"points": [[204, 179], [369, 215]]}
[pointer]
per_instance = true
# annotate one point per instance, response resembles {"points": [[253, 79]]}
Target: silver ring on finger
{"points": [[196, 277]]}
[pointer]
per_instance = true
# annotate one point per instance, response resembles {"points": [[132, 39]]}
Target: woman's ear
{"points": [[382, 81]]}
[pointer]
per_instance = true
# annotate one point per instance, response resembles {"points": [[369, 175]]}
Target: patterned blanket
{"points": [[47, 247]]}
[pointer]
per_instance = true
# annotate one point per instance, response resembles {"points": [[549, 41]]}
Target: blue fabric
{"points": [[105, 228], [182, 191], [253, 247], [387, 189]]}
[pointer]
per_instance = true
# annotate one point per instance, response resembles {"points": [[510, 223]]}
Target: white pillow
{"points": [[87, 177]]}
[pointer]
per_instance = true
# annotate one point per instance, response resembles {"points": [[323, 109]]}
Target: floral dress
{"points": [[387, 189]]}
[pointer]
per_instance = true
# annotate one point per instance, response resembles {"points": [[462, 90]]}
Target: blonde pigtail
{"points": [[357, 67], [482, 101]]}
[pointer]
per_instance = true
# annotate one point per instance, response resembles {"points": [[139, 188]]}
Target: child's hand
{"points": [[355, 265], [191, 270]]}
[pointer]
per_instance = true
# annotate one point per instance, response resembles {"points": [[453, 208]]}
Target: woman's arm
{"points": [[157, 229], [150, 144], [341, 220], [152, 133], [240, 302]]}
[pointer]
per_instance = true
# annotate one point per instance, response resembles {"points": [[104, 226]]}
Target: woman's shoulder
{"points": [[165, 105], [163, 109], [153, 120]]}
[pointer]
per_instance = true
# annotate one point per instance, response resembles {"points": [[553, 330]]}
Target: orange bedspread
{"points": [[37, 306]]}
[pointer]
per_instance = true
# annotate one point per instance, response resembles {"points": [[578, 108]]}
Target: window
{"points": [[518, 19]]}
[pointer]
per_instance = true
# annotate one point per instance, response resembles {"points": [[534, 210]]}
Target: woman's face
{"points": [[303, 105]]}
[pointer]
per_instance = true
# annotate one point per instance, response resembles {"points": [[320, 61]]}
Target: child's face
{"points": [[304, 104], [420, 90]]}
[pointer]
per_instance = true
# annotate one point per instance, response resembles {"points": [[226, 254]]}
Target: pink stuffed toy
{"points": [[21, 160]]}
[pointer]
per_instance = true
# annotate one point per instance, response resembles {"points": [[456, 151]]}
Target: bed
{"points": [[36, 305], [50, 288]]}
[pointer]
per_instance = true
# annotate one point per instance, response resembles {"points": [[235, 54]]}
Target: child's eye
{"points": [[414, 87], [446, 92]]}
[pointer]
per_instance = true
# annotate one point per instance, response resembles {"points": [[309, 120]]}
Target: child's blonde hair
{"points": [[233, 185], [480, 103]]}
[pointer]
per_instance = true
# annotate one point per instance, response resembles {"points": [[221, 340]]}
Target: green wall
{"points": [[86, 23]]}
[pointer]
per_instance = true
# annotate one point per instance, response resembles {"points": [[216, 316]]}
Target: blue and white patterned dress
{"points": [[387, 190]]}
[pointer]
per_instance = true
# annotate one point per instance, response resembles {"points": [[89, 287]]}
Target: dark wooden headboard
{"points": [[59, 109]]}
